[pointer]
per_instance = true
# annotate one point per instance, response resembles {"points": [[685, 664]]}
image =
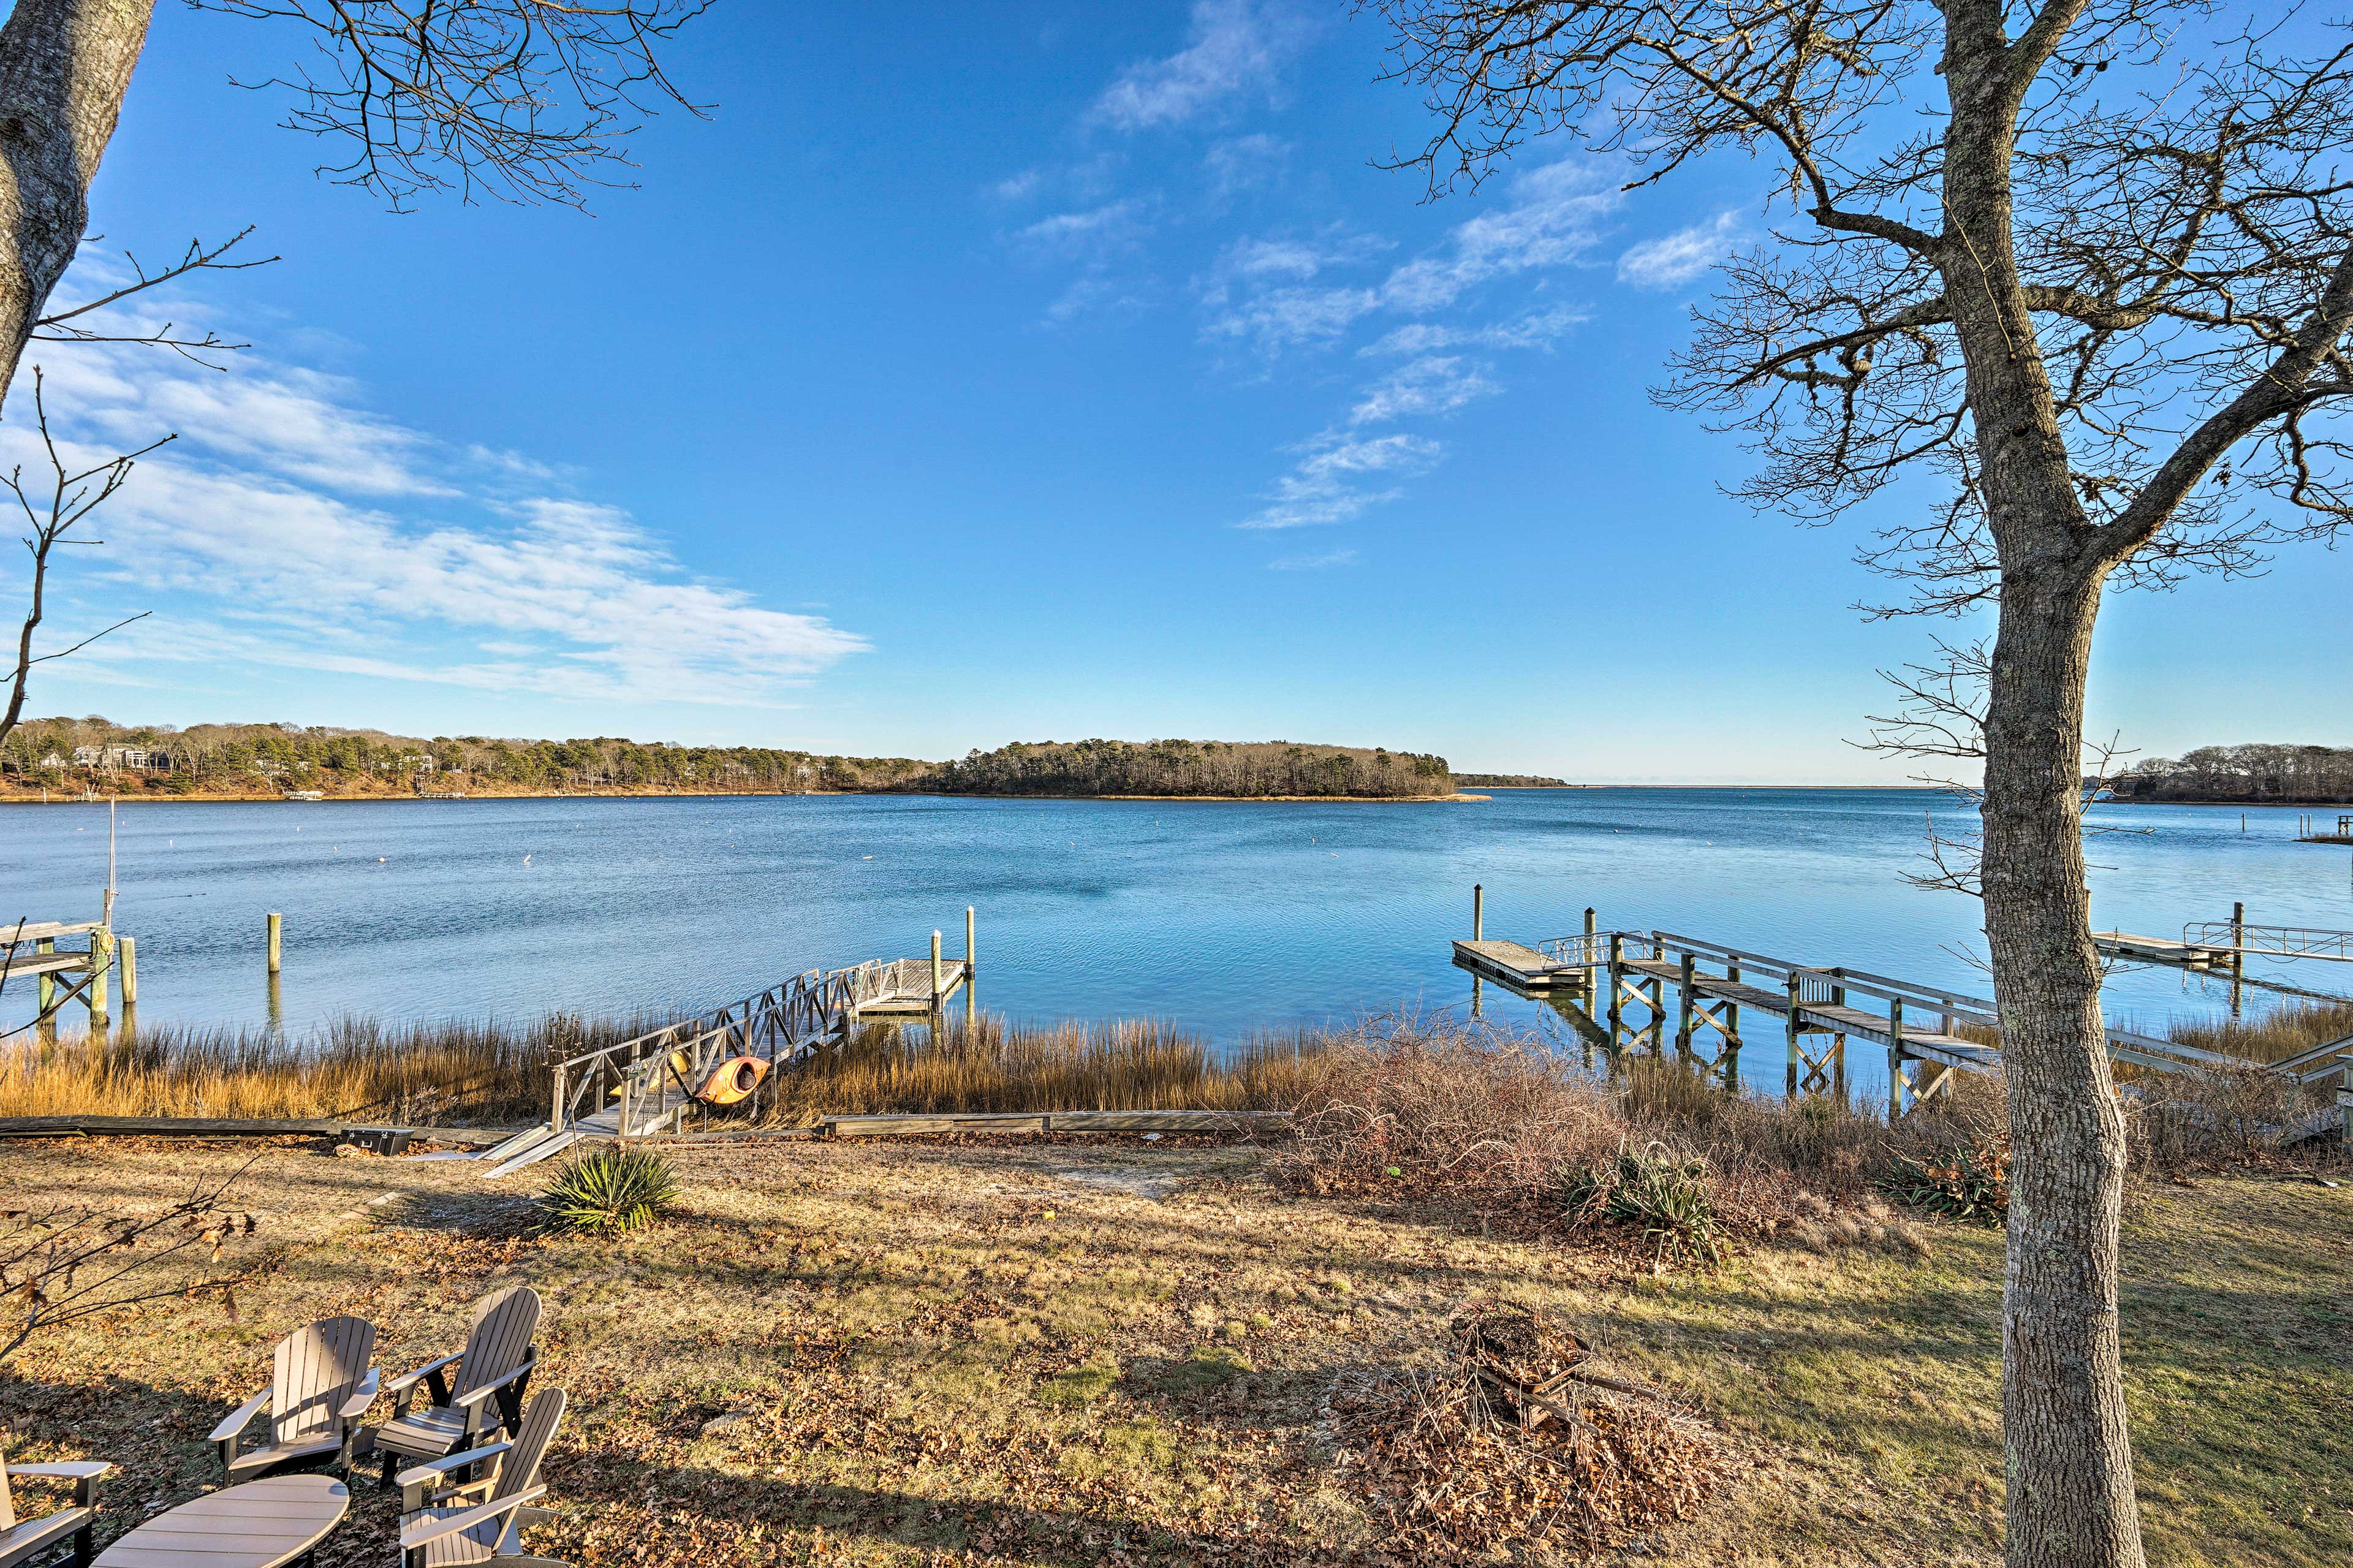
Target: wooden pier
{"points": [[652, 1085], [1645, 982], [65, 976]]}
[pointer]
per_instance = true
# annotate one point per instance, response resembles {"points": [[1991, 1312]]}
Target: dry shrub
{"points": [[1455, 1470], [1435, 1104], [2175, 1122]]}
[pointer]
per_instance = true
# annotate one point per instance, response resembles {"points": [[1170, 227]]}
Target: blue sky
{"points": [[1020, 372]]}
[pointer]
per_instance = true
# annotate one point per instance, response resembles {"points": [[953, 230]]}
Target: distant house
{"points": [[111, 758], [415, 763], [53, 761]]}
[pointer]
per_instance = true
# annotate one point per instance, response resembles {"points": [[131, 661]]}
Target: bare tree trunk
{"points": [[64, 68], [2066, 1452]]}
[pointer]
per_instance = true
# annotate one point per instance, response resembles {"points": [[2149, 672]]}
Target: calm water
{"points": [[1227, 918]]}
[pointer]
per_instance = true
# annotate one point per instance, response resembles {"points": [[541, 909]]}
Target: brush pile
{"points": [[1518, 1445]]}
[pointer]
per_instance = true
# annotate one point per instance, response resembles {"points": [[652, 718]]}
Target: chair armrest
{"points": [[476, 1396], [418, 1476], [361, 1398], [426, 1531], [83, 1473], [234, 1427], [408, 1380]]}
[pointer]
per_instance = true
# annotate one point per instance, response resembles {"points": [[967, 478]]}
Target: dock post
{"points": [[968, 962], [45, 985], [1790, 1089], [935, 972], [1617, 944], [1588, 953], [129, 950], [555, 1102], [101, 978], [1683, 1019], [1478, 911], [2238, 952], [276, 929], [1894, 1060]]}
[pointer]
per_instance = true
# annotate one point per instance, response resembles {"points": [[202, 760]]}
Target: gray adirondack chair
{"points": [[443, 1525], [484, 1394], [59, 1537], [321, 1383]]}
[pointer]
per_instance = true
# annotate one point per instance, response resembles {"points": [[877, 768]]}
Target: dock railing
{"points": [[2269, 942]]}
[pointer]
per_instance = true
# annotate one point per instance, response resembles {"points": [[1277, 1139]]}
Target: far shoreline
{"points": [[389, 798]]}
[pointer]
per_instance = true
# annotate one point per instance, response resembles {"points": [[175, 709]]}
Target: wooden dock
{"points": [[2138, 949], [1522, 969], [1928, 1033]]}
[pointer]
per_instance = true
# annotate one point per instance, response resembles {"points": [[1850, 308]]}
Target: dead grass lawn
{"points": [[1114, 1352]]}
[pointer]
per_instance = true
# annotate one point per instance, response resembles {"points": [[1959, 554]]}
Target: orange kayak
{"points": [[731, 1079]]}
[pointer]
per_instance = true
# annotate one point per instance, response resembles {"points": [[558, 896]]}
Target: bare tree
{"points": [[52, 511], [2097, 272], [525, 99], [522, 100], [68, 1262]]}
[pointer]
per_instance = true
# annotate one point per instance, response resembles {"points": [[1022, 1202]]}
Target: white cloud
{"points": [[1552, 216], [1536, 330], [1237, 48], [1311, 562], [1245, 163], [407, 559], [1330, 483], [1436, 383], [1115, 226], [1672, 260]]}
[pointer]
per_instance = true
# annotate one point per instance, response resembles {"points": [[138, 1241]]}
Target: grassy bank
{"points": [[1109, 1352]]}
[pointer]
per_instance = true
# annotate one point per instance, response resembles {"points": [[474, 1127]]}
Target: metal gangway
{"points": [[650, 1084]]}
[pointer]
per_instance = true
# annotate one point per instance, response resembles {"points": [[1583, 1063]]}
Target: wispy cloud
{"points": [[1675, 259], [1237, 48], [1245, 163], [1536, 330], [407, 559], [1340, 476], [1553, 215], [1311, 562], [1089, 234], [1437, 383]]}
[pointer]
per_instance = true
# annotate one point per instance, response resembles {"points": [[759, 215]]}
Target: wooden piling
{"points": [[1894, 1060], [101, 994], [1790, 1086], [935, 972], [1685, 996], [276, 929], [1478, 911], [968, 962], [2238, 952], [129, 958], [45, 985], [1616, 953]]}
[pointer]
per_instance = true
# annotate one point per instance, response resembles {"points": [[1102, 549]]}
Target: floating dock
{"points": [[1523, 969]]}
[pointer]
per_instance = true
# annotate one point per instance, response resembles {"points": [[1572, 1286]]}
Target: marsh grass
{"points": [[2276, 1035], [991, 1065], [422, 1074]]}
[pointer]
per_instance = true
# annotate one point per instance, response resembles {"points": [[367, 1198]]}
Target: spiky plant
{"points": [[610, 1189]]}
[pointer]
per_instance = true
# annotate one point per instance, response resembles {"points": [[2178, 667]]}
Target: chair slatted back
{"points": [[505, 1325], [316, 1368], [519, 1466]]}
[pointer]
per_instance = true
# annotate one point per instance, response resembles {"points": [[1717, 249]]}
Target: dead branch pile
{"points": [[1517, 1445]]}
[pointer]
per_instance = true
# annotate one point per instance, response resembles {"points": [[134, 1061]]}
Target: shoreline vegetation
{"points": [[66, 760], [2259, 773]]}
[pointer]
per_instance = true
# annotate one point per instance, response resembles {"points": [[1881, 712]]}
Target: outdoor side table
{"points": [[261, 1524]]}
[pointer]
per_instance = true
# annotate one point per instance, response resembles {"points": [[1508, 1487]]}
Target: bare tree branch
{"points": [[71, 496], [519, 99]]}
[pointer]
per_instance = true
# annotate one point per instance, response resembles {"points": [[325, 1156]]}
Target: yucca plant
{"points": [[1666, 1198], [1968, 1183], [610, 1189]]}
